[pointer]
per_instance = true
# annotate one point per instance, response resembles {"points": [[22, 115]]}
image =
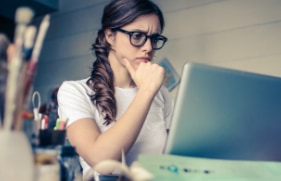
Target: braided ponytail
{"points": [[102, 79]]}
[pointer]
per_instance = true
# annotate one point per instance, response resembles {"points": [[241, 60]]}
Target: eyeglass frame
{"points": [[130, 33]]}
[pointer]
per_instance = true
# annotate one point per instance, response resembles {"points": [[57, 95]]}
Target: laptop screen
{"points": [[226, 114]]}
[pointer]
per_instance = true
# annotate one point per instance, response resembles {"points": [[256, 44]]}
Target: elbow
{"points": [[96, 156]]}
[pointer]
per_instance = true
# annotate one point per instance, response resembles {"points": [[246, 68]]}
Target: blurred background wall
{"points": [[238, 34]]}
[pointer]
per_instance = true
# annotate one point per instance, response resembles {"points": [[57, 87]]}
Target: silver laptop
{"points": [[226, 114]]}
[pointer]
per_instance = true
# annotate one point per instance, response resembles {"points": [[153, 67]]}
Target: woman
{"points": [[123, 105]]}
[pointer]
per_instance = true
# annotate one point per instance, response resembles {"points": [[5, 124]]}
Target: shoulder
{"points": [[74, 87], [162, 98], [74, 101], [163, 94], [74, 84]]}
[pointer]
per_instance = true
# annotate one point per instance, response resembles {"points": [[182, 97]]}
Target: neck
{"points": [[122, 77]]}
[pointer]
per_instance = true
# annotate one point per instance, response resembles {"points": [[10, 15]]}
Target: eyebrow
{"points": [[141, 31]]}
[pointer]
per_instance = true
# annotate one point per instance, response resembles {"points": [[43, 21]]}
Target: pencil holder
{"points": [[48, 137]]}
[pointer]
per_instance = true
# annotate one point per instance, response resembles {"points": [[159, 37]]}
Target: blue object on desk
{"points": [[108, 178]]}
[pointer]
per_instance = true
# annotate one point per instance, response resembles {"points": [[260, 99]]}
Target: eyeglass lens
{"points": [[139, 39]]}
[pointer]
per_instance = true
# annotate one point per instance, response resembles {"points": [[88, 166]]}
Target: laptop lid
{"points": [[226, 114]]}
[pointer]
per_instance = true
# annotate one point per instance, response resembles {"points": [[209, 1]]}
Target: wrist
{"points": [[147, 93]]}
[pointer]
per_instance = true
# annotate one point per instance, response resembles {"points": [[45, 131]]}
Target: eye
{"points": [[138, 36], [155, 39]]}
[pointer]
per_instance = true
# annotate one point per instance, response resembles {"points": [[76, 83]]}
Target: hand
{"points": [[147, 76]]}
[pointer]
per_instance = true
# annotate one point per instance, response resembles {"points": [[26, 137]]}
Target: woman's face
{"points": [[122, 47]]}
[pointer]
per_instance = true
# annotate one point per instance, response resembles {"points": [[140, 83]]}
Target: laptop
{"points": [[222, 113]]}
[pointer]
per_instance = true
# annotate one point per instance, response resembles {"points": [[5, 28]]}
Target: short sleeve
{"points": [[74, 102]]}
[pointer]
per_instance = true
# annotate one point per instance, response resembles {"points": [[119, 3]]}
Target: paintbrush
{"points": [[35, 54], [26, 55], [22, 18]]}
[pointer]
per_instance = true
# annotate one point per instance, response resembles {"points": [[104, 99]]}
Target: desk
{"points": [[180, 168]]}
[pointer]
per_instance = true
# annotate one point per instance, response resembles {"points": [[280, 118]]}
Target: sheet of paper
{"points": [[169, 167]]}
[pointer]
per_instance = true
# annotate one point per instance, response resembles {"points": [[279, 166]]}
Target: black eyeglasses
{"points": [[138, 38]]}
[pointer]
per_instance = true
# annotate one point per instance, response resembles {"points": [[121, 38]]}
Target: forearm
{"points": [[122, 135]]}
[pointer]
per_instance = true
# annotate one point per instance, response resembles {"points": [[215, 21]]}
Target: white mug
{"points": [[16, 158]]}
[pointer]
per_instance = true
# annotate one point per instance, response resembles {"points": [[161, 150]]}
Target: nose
{"points": [[147, 46]]}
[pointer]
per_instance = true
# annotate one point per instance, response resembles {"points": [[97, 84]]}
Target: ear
{"points": [[110, 36]]}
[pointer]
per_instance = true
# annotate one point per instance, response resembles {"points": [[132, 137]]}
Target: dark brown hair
{"points": [[116, 14]]}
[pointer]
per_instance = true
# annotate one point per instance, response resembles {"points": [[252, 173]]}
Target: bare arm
{"points": [[94, 146]]}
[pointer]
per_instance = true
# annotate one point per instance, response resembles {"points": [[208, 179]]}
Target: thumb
{"points": [[129, 66]]}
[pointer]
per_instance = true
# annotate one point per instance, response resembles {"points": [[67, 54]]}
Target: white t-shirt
{"points": [[74, 104]]}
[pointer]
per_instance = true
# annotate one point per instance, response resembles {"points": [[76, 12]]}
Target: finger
{"points": [[129, 66]]}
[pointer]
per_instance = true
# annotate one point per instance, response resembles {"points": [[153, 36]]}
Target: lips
{"points": [[143, 59]]}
